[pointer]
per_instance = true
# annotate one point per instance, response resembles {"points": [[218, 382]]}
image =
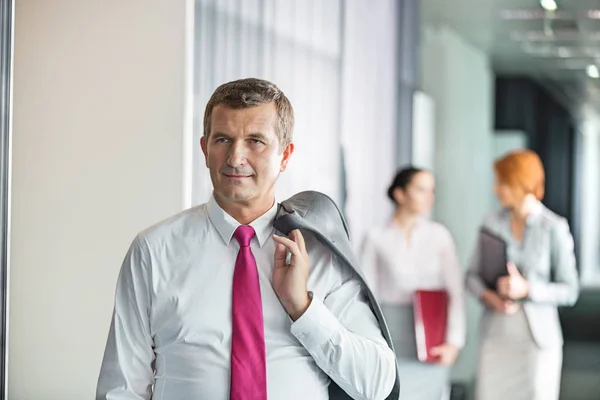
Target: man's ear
{"points": [[287, 153], [203, 145]]}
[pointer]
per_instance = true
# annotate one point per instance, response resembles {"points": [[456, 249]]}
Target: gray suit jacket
{"points": [[315, 212], [546, 259]]}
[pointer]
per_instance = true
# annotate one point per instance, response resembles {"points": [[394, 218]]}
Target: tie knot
{"points": [[244, 234]]}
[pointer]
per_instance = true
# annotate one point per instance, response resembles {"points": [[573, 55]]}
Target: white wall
{"points": [[369, 112], [458, 78], [295, 44], [423, 141], [97, 156]]}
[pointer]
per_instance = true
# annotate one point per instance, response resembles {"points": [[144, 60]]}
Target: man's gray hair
{"points": [[252, 92]]}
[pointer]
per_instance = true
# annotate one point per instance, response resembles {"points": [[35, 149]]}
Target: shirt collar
{"points": [[419, 222], [226, 224], [537, 209]]}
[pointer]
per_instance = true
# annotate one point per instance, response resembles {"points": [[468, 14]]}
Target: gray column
{"points": [[408, 64]]}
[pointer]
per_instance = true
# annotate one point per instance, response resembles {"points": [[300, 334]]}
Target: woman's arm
{"points": [[474, 283], [453, 278], [563, 289]]}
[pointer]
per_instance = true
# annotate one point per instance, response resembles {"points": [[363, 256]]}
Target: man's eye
{"points": [[257, 141], [221, 140]]}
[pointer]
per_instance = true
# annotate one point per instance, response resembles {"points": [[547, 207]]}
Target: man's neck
{"points": [[246, 212]]}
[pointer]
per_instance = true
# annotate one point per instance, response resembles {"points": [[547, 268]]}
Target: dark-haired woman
{"points": [[413, 253]]}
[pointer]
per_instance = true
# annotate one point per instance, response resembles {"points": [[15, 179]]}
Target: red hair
{"points": [[523, 172]]}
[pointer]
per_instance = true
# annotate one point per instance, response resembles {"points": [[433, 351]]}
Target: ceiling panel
{"points": [[555, 48]]}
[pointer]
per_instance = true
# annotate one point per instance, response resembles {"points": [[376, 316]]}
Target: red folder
{"points": [[431, 320]]}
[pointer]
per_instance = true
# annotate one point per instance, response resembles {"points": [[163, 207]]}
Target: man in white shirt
{"points": [[211, 304]]}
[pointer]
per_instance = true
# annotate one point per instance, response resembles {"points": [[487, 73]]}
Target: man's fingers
{"points": [[288, 243], [280, 255], [299, 239]]}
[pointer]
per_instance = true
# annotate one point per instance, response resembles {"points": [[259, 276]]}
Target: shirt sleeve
{"points": [[126, 372], [563, 290], [453, 278], [343, 336]]}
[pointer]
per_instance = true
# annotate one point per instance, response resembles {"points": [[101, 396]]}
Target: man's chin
{"points": [[235, 196]]}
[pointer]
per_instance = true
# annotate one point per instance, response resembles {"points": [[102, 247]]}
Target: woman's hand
{"points": [[513, 286], [498, 304], [446, 352]]}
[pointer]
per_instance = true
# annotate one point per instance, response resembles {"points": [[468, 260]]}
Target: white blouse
{"points": [[396, 267]]}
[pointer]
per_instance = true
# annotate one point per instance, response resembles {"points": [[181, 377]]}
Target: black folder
{"points": [[493, 257]]}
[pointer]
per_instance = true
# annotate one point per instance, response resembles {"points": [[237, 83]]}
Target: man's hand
{"points": [[289, 280], [446, 352], [513, 286], [498, 304]]}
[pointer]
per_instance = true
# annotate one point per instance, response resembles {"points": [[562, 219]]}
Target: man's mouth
{"points": [[237, 176]]}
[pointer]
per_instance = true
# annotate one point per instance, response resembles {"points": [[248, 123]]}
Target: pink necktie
{"points": [[248, 356]]}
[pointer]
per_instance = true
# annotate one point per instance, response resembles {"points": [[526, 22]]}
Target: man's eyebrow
{"points": [[253, 135], [257, 135]]}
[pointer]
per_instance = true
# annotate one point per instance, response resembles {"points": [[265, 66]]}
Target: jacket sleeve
{"points": [[474, 283], [563, 290]]}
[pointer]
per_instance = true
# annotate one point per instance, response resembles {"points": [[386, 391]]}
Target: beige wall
{"points": [[99, 92]]}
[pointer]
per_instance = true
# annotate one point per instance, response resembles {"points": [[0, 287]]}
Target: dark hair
{"points": [[252, 92], [403, 178]]}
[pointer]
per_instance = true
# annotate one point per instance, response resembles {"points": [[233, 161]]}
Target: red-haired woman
{"points": [[520, 353]]}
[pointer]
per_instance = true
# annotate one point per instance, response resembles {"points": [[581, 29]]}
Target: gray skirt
{"points": [[512, 366], [418, 381]]}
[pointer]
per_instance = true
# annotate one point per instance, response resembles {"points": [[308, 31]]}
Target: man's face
{"points": [[243, 154]]}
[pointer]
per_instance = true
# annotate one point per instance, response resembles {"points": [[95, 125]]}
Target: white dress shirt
{"points": [[173, 312], [395, 268]]}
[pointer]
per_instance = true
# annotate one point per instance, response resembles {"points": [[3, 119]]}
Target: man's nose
{"points": [[237, 154]]}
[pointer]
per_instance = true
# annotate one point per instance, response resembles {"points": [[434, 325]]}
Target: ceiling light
{"points": [[548, 5], [592, 71]]}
